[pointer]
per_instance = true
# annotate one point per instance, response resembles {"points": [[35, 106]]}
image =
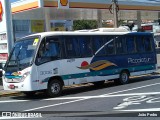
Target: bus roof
{"points": [[77, 33], [99, 31], [43, 34]]}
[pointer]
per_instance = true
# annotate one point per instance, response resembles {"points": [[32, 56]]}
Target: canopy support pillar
{"points": [[99, 18], [47, 20], [139, 20]]}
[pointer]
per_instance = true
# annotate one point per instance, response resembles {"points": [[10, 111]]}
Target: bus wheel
{"points": [[54, 88], [124, 77], [99, 83], [29, 93]]}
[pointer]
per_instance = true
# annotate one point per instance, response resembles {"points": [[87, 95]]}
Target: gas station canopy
{"points": [[40, 13], [83, 9]]}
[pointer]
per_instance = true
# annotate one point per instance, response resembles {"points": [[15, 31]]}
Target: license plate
{"points": [[11, 86]]}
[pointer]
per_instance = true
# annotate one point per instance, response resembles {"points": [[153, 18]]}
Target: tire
{"points": [[99, 83], [124, 77], [30, 93], [54, 88]]}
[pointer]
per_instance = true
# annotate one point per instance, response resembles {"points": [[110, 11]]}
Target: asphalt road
{"points": [[140, 99]]}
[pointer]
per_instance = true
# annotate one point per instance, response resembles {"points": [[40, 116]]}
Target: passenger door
{"points": [[47, 60]]}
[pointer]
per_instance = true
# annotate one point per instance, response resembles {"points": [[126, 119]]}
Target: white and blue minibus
{"points": [[51, 60]]}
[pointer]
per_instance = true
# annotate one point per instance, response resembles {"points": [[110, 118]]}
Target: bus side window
{"points": [[148, 44], [49, 50], [120, 42], [98, 42], [139, 44], [52, 49], [72, 47], [110, 46], [85, 46], [130, 42]]}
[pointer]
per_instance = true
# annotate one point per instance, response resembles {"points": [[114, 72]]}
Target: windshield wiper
{"points": [[15, 62]]}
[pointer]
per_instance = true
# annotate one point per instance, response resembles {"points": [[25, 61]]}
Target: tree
{"points": [[84, 24]]}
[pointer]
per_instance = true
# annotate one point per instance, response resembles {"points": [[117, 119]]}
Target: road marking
{"points": [[141, 110], [89, 97], [9, 101], [99, 96], [105, 96], [54, 105], [86, 98], [138, 100], [133, 88]]}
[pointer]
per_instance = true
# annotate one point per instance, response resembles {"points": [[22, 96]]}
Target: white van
{"points": [[157, 39]]}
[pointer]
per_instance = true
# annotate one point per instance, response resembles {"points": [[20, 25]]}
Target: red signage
{"points": [[1, 11], [148, 27], [3, 56]]}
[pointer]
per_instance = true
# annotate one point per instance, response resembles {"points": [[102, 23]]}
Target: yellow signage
{"points": [[37, 26], [35, 42]]}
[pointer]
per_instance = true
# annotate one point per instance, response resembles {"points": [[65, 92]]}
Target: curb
{"points": [[9, 94]]}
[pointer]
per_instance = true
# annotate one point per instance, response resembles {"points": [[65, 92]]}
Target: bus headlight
{"points": [[24, 76]]}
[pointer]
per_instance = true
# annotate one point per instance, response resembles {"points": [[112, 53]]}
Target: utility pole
{"points": [[115, 10]]}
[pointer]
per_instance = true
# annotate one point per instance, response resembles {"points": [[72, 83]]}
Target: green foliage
{"points": [[84, 24]]}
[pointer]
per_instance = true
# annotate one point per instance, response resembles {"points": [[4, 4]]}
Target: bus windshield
{"points": [[22, 54]]}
